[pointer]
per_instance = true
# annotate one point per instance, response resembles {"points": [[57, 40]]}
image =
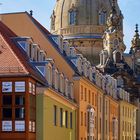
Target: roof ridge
{"points": [[13, 13]]}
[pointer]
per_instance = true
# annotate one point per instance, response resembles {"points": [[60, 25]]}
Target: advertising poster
{"points": [[20, 86], [19, 125], [6, 86], [6, 125]]}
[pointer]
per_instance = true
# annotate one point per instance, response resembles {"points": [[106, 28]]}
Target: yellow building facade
{"points": [[56, 116], [127, 122]]}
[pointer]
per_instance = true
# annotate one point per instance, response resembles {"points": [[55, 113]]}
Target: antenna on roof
{"points": [[31, 12]]}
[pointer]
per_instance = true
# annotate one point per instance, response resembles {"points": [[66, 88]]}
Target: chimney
{"points": [[31, 12]]}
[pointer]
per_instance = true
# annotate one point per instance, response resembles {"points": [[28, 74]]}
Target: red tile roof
{"points": [[24, 59]]}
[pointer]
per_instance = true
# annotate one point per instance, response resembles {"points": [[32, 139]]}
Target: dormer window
{"points": [[72, 16], [24, 45], [41, 69], [102, 17]]}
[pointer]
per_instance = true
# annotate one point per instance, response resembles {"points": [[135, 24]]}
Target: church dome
{"points": [[82, 23], [79, 12]]}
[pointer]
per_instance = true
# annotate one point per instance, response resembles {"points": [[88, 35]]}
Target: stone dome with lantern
{"points": [[82, 24]]}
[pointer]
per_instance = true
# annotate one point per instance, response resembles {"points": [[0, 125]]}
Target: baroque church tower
{"points": [[135, 53], [113, 45], [112, 60], [82, 24]]}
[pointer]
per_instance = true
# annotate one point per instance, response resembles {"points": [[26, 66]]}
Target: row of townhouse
{"points": [[69, 100]]}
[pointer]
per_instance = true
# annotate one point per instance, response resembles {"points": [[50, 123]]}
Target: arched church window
{"points": [[72, 17], [102, 17]]}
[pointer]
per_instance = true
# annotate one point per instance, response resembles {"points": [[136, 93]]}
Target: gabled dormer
{"points": [[33, 50]]}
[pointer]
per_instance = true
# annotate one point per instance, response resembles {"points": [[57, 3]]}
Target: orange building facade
{"points": [[104, 109]]}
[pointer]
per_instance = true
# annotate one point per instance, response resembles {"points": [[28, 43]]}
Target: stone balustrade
{"points": [[82, 29]]}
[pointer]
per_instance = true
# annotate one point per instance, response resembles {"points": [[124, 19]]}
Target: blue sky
{"points": [[43, 8]]}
